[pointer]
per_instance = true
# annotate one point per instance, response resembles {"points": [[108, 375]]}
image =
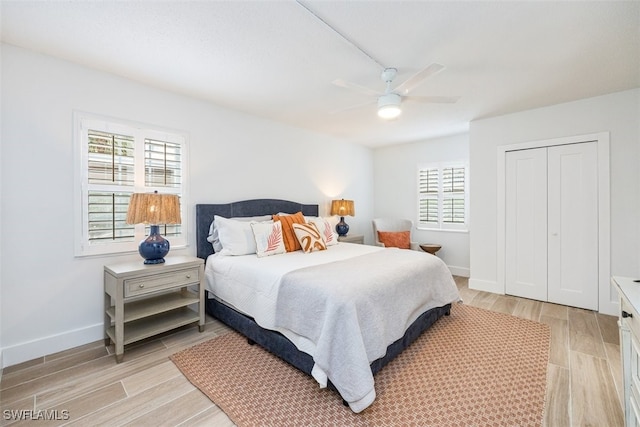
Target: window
{"points": [[115, 160], [442, 196]]}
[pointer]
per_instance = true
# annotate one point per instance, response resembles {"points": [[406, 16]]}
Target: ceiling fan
{"points": [[390, 100]]}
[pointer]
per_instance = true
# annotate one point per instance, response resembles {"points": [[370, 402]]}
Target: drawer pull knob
{"points": [[188, 276], [141, 285], [626, 314]]}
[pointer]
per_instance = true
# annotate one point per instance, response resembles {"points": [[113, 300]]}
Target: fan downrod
{"points": [[388, 74]]}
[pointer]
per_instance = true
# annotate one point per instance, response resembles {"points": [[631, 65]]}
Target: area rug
{"points": [[473, 368]]}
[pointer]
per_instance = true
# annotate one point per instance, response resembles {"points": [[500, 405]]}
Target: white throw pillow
{"points": [[268, 238], [236, 237], [326, 229], [214, 238]]}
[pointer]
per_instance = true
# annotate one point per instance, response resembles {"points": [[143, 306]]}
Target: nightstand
{"points": [[144, 300], [352, 238]]}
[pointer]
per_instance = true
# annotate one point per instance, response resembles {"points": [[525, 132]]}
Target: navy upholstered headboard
{"points": [[205, 214]]}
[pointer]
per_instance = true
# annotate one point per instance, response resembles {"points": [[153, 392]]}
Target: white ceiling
{"points": [[276, 60]]}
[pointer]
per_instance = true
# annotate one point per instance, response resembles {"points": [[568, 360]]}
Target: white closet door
{"points": [[526, 223], [573, 225]]}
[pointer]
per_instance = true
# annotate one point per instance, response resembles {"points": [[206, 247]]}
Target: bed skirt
{"points": [[279, 345]]}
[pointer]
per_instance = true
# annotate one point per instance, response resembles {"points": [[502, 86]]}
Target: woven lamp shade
{"points": [[343, 207], [154, 209]]}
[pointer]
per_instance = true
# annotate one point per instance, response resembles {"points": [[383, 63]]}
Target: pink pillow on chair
{"points": [[395, 239]]}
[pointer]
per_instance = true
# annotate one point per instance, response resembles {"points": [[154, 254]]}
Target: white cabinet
{"points": [[551, 247], [629, 324]]}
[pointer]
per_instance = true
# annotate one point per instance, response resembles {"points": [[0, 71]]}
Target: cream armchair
{"points": [[393, 225]]}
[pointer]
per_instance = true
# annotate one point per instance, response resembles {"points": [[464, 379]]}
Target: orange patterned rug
{"points": [[473, 368]]}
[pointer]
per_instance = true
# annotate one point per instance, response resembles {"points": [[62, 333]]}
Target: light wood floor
{"points": [[86, 386]]}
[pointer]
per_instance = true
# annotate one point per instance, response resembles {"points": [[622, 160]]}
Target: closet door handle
{"points": [[626, 314]]}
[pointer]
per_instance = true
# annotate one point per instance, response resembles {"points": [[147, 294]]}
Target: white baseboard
{"points": [[459, 271], [485, 285], [30, 350], [611, 308]]}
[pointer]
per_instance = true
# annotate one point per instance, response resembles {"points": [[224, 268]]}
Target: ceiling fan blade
{"points": [[353, 107], [433, 99], [418, 78], [357, 88]]}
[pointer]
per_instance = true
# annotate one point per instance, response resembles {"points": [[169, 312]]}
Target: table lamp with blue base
{"points": [[342, 208], [154, 209]]}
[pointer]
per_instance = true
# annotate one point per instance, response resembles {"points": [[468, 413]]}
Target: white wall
{"points": [[50, 300], [618, 114], [396, 189]]}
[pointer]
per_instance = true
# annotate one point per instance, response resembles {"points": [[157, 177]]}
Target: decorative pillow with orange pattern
{"points": [[268, 237], [326, 229], [309, 237]]}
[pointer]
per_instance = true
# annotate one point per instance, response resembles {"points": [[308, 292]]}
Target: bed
{"points": [[344, 347]]}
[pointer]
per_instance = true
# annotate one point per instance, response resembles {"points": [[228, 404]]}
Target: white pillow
{"points": [[236, 237], [213, 237], [326, 229], [268, 238]]}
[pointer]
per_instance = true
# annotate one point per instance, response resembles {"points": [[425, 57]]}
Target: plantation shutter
{"points": [[428, 186], [442, 197], [111, 177], [163, 168], [453, 203], [162, 164]]}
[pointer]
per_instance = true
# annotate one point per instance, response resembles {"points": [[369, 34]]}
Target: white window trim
{"points": [[83, 120], [440, 226]]}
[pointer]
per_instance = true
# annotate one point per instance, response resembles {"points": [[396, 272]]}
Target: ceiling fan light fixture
{"points": [[389, 106]]}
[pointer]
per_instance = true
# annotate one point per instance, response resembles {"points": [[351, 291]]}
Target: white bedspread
{"points": [[250, 284], [276, 291], [353, 309]]}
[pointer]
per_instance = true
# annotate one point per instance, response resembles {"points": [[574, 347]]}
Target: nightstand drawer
{"points": [[158, 282]]}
